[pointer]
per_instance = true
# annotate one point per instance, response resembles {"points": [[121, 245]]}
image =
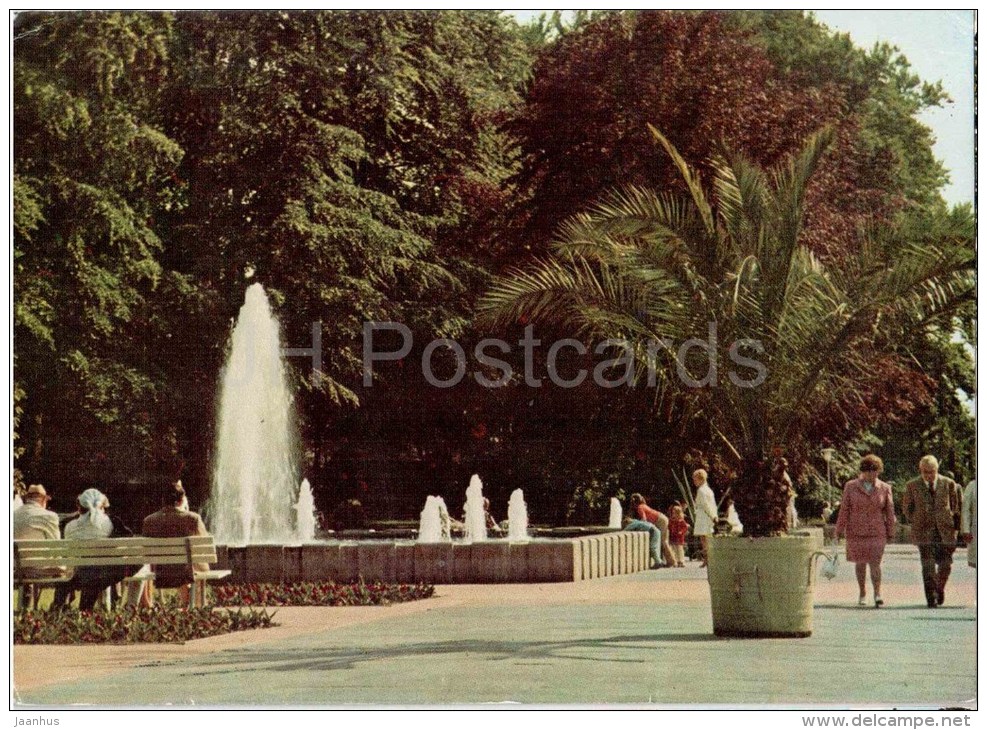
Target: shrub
{"points": [[156, 625], [319, 594]]}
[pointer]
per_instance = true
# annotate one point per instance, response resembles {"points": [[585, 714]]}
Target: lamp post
{"points": [[827, 455]]}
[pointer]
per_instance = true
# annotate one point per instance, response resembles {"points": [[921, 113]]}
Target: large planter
{"points": [[763, 587]]}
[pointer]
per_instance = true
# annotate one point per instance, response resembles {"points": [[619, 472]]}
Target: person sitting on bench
{"points": [[174, 521], [92, 524], [34, 521]]}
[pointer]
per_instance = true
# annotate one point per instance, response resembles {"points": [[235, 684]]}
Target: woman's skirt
{"points": [[865, 549]]}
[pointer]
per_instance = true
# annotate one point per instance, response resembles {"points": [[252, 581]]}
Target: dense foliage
{"points": [[383, 166]]}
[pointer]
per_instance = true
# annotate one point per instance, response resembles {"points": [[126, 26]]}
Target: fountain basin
{"points": [[490, 561], [412, 533]]}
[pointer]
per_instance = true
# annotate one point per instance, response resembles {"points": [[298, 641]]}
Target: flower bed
{"points": [[318, 594], [157, 625]]}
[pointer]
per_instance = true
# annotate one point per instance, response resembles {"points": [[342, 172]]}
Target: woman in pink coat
{"points": [[867, 519]]}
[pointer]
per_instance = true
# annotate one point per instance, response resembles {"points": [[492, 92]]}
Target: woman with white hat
{"points": [[92, 524]]}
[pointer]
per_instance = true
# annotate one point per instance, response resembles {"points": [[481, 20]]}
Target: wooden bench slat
{"points": [[110, 561], [138, 542], [82, 549], [87, 552], [122, 551], [44, 581]]}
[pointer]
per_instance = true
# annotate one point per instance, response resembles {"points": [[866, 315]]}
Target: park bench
{"points": [[71, 554]]}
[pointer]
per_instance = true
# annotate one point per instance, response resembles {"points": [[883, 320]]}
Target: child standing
{"points": [[678, 529]]}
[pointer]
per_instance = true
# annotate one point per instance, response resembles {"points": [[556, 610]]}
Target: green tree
{"points": [[92, 171], [354, 160]]}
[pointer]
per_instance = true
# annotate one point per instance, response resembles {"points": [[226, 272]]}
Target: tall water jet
{"points": [[255, 485], [517, 517], [616, 513], [434, 525], [476, 517], [305, 512]]}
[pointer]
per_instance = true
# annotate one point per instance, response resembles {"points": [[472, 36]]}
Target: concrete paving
{"points": [[631, 639]]}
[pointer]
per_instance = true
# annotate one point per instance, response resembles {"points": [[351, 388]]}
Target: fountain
{"points": [[517, 517], [262, 514], [475, 516], [255, 488], [434, 525], [616, 513], [264, 522]]}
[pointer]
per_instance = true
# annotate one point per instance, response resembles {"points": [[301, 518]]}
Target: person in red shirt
{"points": [[641, 510], [678, 528]]}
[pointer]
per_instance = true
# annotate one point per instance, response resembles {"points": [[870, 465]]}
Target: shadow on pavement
{"points": [[329, 658]]}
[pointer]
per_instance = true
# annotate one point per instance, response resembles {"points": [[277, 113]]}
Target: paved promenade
{"points": [[638, 639]]}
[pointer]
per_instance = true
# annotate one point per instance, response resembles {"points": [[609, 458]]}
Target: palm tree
{"points": [[655, 269]]}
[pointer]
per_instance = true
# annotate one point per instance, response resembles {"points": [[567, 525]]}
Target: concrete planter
{"points": [[763, 587]]}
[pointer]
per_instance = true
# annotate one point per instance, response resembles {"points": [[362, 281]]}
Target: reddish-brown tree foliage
{"points": [[583, 129]]}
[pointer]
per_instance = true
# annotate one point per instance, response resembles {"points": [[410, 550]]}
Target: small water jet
{"points": [[517, 517], [305, 512], [616, 513], [475, 515], [434, 525]]}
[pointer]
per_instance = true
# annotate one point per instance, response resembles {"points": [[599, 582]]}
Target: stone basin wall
{"points": [[492, 561]]}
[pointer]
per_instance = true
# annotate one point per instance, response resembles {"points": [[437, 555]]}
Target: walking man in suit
{"points": [[932, 504]]}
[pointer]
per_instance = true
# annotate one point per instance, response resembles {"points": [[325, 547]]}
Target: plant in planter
{"points": [[649, 271]]}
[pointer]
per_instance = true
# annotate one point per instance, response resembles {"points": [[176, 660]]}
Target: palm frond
{"points": [[691, 178], [742, 200]]}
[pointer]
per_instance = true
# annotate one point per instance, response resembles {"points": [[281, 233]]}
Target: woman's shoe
{"points": [[878, 602], [862, 601]]}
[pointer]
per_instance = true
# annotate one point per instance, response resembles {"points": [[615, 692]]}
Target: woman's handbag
{"points": [[830, 564]]}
